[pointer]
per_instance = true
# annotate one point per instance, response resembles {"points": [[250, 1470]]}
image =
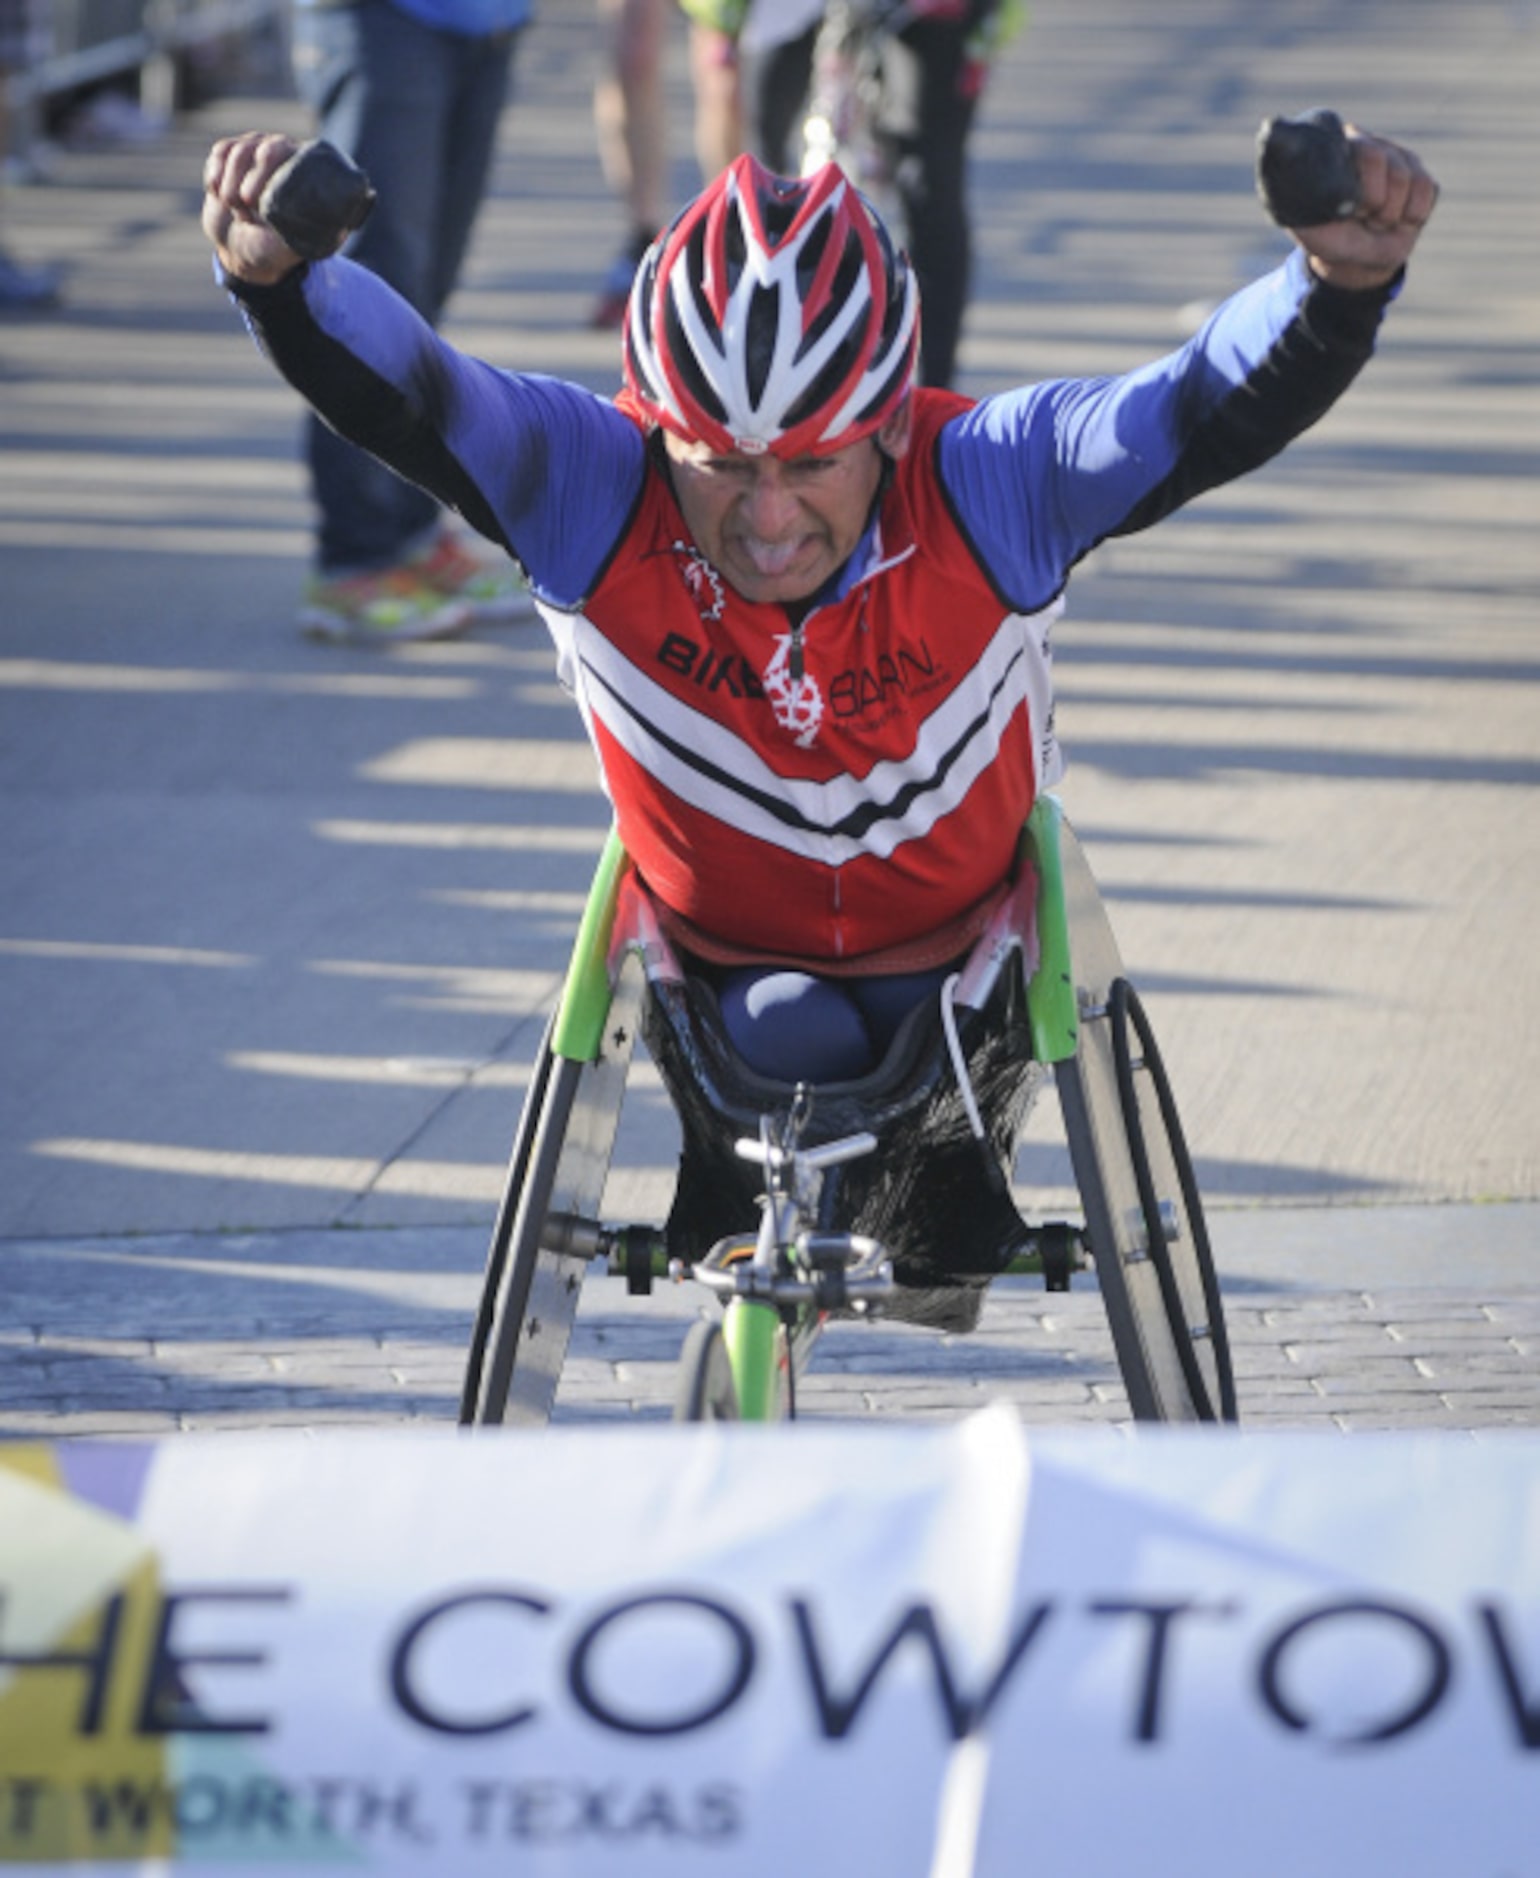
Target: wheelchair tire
{"points": [[706, 1391], [1184, 1260], [502, 1231], [1144, 1218], [548, 1223], [510, 1310]]}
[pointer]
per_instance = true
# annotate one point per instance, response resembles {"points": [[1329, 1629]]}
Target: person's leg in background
{"points": [[632, 124], [418, 109], [478, 92], [780, 83], [931, 82], [378, 83], [923, 126], [22, 289], [718, 98], [630, 113]]}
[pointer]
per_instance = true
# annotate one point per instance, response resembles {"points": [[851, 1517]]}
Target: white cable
{"points": [[959, 1062]]}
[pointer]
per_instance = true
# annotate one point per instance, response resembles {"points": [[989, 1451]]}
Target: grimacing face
{"points": [[777, 530]]}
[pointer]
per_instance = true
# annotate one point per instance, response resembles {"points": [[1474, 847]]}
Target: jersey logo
{"points": [[701, 581], [869, 690], [797, 703], [711, 671]]}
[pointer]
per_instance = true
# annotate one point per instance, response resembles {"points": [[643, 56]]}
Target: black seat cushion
{"points": [[928, 1192]]}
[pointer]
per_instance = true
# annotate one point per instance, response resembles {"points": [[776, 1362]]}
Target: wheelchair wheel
{"points": [[1173, 1212], [706, 1391], [548, 1223], [502, 1231], [1144, 1219]]}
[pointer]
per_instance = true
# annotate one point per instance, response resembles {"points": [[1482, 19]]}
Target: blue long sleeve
{"points": [[1037, 477]]}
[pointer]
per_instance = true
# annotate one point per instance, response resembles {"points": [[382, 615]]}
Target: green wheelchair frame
{"points": [[1143, 1230]]}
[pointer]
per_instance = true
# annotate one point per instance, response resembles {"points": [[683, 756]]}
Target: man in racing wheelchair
{"points": [[805, 606]]}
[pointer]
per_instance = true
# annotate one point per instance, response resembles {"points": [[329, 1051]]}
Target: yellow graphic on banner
{"points": [[79, 1607], [104, 1756]]}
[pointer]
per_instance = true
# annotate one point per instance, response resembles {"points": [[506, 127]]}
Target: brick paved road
{"points": [[132, 1337]]}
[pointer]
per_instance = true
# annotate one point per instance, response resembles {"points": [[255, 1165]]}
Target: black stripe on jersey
{"points": [[861, 820]]}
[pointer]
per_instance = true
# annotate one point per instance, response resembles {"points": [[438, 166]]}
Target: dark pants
{"points": [[930, 90], [419, 110]]}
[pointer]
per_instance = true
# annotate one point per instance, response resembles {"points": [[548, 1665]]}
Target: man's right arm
{"points": [[545, 468]]}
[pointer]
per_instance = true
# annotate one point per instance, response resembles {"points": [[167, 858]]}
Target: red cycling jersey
{"points": [[857, 807]]}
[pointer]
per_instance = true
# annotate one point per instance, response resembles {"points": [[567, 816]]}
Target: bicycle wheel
{"points": [[844, 96], [1144, 1218], [556, 1181], [706, 1391]]}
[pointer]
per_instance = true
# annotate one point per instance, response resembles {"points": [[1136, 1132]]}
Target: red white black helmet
{"points": [[773, 315]]}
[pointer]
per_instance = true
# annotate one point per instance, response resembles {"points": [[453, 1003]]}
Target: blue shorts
{"points": [[800, 1028]]}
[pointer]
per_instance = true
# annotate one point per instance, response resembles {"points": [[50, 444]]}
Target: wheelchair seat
{"points": [[935, 1193], [1040, 991]]}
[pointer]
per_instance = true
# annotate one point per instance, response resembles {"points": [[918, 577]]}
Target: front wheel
{"points": [[706, 1391]]}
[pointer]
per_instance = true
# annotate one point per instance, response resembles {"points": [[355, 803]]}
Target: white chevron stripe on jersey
{"points": [[708, 766]]}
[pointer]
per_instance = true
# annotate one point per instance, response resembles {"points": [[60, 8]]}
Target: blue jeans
{"points": [[419, 110]]}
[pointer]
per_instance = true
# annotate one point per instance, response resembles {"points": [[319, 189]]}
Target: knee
{"points": [[794, 1027]]}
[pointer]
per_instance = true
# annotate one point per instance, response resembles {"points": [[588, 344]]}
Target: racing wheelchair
{"points": [[883, 1197], [888, 1195]]}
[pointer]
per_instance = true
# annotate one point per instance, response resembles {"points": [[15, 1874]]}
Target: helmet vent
{"points": [[778, 210], [824, 390], [847, 279], [697, 385], [759, 341], [887, 397]]}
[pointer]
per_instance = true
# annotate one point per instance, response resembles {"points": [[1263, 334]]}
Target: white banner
{"points": [[925, 1653]]}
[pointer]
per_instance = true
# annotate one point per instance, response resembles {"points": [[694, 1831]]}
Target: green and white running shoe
{"points": [[392, 607]]}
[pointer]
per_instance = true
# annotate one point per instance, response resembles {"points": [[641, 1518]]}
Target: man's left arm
{"points": [[1271, 364], [1038, 477]]}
